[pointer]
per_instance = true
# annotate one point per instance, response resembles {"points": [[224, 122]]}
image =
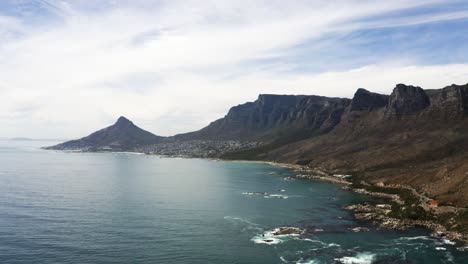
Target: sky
{"points": [[69, 67]]}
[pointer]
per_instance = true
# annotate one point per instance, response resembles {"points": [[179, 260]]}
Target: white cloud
{"points": [[175, 66]]}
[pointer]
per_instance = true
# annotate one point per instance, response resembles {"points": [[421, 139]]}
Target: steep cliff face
{"points": [[270, 115], [406, 100], [273, 116], [449, 102], [410, 123]]}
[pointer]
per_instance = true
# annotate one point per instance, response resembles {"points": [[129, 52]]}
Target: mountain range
{"points": [[412, 137]]}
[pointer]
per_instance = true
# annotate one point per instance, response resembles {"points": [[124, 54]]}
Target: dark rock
{"points": [[364, 100], [288, 231], [449, 102], [406, 100]]}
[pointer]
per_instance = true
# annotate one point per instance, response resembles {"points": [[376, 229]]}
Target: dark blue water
{"points": [[60, 207]]}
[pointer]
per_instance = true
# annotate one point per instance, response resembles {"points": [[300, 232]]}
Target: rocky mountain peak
{"points": [[123, 121], [406, 100], [364, 100]]}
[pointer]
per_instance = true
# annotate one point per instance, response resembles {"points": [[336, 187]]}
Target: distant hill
{"points": [[121, 136], [21, 139], [34, 139]]}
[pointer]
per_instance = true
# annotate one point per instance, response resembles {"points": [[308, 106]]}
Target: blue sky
{"points": [[70, 67]]}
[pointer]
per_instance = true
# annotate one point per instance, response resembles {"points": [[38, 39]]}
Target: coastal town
{"points": [[196, 148]]}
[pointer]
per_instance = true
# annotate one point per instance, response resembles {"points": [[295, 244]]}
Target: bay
{"points": [[59, 207]]}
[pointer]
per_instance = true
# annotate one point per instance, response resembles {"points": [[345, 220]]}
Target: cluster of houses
{"points": [[197, 148]]}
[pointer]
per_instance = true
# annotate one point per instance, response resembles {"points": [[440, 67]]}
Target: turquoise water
{"points": [[58, 207]]}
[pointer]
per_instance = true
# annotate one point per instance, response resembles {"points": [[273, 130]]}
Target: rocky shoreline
{"points": [[380, 214]]}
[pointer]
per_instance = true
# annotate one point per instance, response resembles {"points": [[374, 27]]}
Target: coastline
{"points": [[378, 214], [381, 215]]}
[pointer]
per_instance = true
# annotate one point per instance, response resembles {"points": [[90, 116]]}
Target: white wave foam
{"points": [[254, 193], [244, 224], [318, 242], [239, 219], [361, 258], [448, 242], [310, 240], [269, 237], [266, 240], [311, 261], [416, 238], [278, 196]]}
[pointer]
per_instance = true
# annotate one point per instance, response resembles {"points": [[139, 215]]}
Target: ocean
{"points": [[61, 207]]}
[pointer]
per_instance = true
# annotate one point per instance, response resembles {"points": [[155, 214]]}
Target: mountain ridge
{"points": [[269, 113], [411, 136], [417, 138]]}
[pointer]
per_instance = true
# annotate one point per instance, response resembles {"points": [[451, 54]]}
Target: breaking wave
{"points": [[271, 238], [361, 258]]}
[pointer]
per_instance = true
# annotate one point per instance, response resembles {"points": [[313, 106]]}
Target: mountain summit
{"points": [[121, 136], [123, 121]]}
